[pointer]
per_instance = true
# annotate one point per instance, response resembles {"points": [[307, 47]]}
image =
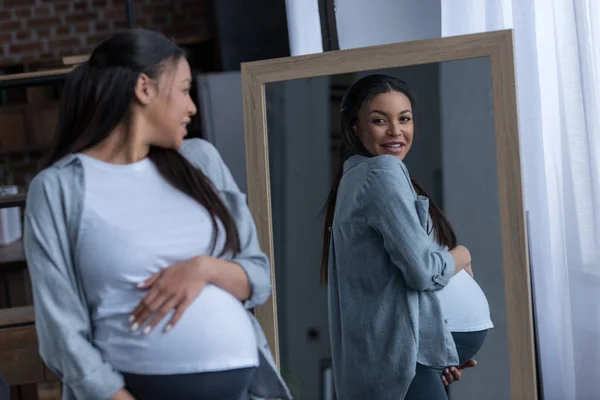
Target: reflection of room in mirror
{"points": [[454, 131], [298, 125]]}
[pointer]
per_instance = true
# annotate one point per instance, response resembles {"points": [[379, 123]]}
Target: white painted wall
{"points": [[304, 26], [362, 23], [220, 105]]}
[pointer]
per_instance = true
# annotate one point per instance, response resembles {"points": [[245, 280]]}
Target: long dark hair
{"points": [[96, 98], [360, 93]]}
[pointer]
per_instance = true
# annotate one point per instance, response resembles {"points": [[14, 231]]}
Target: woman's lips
{"points": [[393, 148]]}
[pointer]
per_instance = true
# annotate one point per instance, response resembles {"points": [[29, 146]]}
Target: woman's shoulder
{"points": [[384, 171], [55, 194], [386, 163], [204, 155], [373, 179], [42, 186], [54, 179], [200, 151]]}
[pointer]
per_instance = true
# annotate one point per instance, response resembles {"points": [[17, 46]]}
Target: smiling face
{"points": [[385, 124], [169, 108]]}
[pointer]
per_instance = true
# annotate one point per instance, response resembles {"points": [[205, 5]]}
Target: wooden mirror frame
{"points": [[498, 46]]}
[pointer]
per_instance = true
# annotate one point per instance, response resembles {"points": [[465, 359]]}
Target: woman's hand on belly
{"points": [[175, 287]]}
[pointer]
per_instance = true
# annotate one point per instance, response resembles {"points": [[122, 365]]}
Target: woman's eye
{"points": [[378, 121], [405, 119]]}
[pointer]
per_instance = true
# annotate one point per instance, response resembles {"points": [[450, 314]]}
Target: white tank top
{"points": [[464, 305], [134, 223]]}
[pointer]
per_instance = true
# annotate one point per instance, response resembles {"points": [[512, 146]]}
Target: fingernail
{"points": [[141, 284], [135, 327], [147, 330], [453, 369], [445, 371], [168, 328], [131, 319]]}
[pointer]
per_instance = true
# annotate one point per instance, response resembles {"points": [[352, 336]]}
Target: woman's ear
{"points": [[145, 89]]}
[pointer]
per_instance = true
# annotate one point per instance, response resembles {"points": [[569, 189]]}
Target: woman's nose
{"points": [[193, 109], [395, 130]]}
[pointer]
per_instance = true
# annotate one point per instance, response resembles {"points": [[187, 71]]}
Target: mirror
{"points": [[465, 155]]}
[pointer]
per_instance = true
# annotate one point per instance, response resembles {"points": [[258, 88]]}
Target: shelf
{"points": [[74, 60], [16, 316], [190, 40], [16, 200], [12, 253], [33, 78]]}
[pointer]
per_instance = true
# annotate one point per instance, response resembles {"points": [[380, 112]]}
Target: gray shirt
{"points": [[384, 270], [52, 219]]}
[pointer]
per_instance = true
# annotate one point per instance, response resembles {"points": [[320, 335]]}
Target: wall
{"points": [[220, 105], [389, 21], [304, 26], [36, 30]]}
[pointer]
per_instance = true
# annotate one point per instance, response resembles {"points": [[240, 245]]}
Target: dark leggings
{"points": [[427, 383], [224, 385]]}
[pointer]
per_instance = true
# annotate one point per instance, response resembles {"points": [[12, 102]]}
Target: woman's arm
{"points": [[252, 260], [62, 320], [389, 207], [227, 275], [462, 258]]}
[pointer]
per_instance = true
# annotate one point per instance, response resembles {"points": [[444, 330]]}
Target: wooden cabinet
{"points": [[13, 128], [20, 362]]}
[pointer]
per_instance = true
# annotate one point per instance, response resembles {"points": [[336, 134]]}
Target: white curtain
{"points": [[557, 52]]}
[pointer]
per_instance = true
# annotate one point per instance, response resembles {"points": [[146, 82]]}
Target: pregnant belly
{"points": [[214, 334], [464, 304]]}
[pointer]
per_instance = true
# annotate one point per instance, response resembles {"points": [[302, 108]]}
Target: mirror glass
{"points": [[453, 156]]}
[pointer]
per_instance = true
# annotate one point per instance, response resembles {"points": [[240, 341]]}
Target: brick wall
{"points": [[46, 30]]}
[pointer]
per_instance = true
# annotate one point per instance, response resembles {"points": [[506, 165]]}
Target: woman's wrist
{"points": [[462, 257], [206, 268], [226, 275]]}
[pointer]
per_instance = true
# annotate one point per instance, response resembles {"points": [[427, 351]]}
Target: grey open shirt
{"points": [[52, 216], [384, 269]]}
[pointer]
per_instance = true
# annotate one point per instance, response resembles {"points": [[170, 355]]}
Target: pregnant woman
{"points": [[402, 300], [142, 252]]}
